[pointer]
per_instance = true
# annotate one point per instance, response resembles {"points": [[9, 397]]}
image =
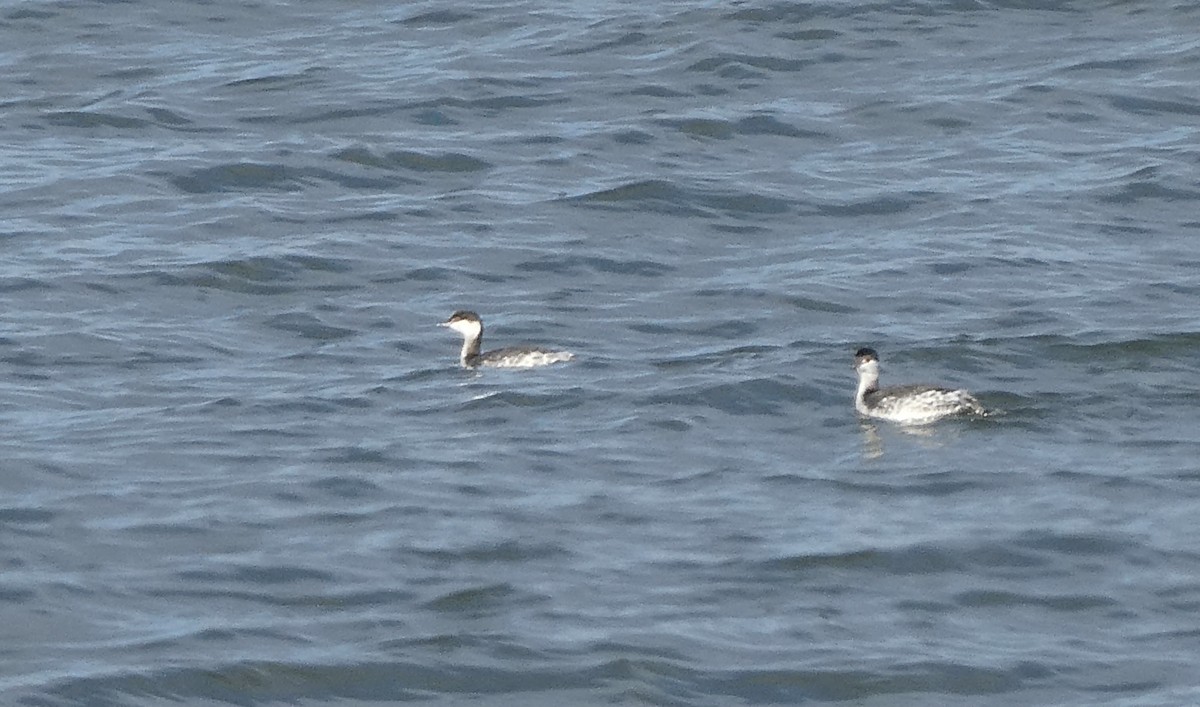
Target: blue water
{"points": [[242, 466]]}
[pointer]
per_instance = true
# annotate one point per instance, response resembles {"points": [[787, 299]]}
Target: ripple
{"points": [[1077, 544], [19, 516], [414, 161], [346, 487], [920, 559], [279, 82], [879, 206], [1151, 106], [94, 119], [257, 575], [505, 551], [436, 18], [627, 39], [475, 600], [761, 396], [507, 399], [1136, 191], [239, 176], [666, 197], [356, 455], [263, 275], [30, 14], [770, 125], [729, 65], [800, 302], [907, 678], [1119, 65], [18, 284], [656, 91], [575, 264], [307, 326], [645, 676], [11, 596], [921, 485], [979, 599], [1162, 346], [753, 125]]}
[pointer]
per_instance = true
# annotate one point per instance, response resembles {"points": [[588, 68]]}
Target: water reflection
{"points": [[873, 441]]}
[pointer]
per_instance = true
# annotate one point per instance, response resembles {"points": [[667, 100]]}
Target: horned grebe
{"points": [[471, 327], [907, 404]]}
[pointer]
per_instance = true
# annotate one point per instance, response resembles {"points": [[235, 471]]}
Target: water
{"points": [[242, 467]]}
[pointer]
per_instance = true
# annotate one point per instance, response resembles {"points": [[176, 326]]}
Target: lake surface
{"points": [[242, 465]]}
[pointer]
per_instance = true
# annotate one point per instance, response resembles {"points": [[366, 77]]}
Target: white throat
{"points": [[466, 327], [472, 333], [868, 379]]}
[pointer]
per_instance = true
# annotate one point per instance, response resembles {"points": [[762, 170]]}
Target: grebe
{"points": [[471, 327], [907, 404]]}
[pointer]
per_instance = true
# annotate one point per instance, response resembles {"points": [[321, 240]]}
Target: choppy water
{"points": [[241, 466]]}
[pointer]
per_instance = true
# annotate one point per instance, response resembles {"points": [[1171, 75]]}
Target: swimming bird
{"points": [[471, 327], [907, 404]]}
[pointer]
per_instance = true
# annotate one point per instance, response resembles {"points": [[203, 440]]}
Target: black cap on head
{"points": [[462, 314], [866, 353]]}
